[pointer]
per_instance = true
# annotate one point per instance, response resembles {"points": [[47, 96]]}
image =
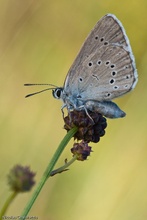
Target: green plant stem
{"points": [[7, 204], [49, 169], [64, 167]]}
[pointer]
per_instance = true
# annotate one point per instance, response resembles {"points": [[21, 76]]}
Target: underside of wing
{"points": [[105, 66]]}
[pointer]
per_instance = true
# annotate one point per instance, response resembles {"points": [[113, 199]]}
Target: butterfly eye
{"points": [[57, 93]]}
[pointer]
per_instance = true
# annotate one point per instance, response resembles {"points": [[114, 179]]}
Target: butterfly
{"points": [[104, 69]]}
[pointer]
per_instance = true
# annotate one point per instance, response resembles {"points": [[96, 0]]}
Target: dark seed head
{"points": [[21, 179], [90, 127], [81, 150]]}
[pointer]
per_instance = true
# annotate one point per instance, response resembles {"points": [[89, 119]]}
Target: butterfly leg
{"points": [[83, 107], [68, 109], [63, 106]]}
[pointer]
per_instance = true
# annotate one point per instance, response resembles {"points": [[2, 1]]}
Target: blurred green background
{"points": [[38, 42]]}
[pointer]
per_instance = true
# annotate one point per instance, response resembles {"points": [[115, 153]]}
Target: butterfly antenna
{"points": [[35, 93], [39, 84]]}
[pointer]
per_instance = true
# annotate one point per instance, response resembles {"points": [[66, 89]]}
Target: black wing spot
{"points": [[115, 87], [128, 77], [113, 73], [96, 37], [108, 94], [90, 64], [107, 62], [80, 79], [99, 62], [112, 81], [101, 39], [112, 66], [106, 43]]}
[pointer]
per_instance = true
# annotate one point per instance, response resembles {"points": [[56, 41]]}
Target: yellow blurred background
{"points": [[38, 42]]}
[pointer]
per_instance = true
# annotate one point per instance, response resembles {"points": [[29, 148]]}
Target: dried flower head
{"points": [[90, 127], [81, 150], [21, 179]]}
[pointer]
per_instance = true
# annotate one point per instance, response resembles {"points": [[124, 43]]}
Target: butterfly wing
{"points": [[105, 67]]}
